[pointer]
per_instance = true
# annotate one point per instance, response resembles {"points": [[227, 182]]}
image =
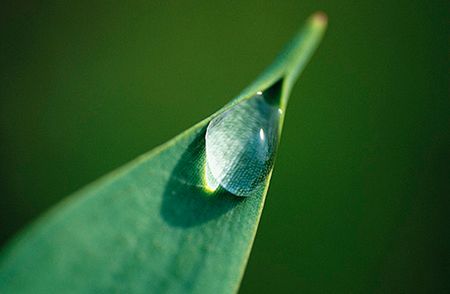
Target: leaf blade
{"points": [[148, 226]]}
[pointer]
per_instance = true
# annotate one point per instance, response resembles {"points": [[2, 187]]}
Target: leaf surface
{"points": [[151, 226]]}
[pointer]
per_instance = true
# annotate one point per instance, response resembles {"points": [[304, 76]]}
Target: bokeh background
{"points": [[359, 195]]}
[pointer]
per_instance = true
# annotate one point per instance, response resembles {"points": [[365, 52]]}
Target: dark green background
{"points": [[359, 192]]}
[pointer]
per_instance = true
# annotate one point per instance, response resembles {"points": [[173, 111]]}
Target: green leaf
{"points": [[152, 226]]}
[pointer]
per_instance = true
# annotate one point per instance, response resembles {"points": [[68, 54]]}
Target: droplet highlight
{"points": [[241, 144]]}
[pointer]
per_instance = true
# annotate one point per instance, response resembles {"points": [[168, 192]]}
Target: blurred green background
{"points": [[359, 193]]}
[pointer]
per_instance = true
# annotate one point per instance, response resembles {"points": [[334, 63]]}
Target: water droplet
{"points": [[241, 143]]}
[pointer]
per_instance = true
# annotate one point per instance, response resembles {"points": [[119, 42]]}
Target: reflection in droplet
{"points": [[241, 144]]}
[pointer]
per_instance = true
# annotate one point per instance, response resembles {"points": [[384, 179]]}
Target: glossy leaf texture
{"points": [[156, 225]]}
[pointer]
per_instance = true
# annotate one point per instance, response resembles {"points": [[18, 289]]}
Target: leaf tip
{"points": [[319, 19]]}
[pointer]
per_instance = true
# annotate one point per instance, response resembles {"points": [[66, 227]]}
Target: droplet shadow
{"points": [[186, 202]]}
